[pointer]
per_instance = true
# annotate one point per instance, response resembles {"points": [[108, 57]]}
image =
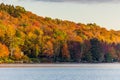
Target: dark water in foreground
{"points": [[107, 72]]}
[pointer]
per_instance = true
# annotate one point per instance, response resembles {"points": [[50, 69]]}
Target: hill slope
{"points": [[27, 37]]}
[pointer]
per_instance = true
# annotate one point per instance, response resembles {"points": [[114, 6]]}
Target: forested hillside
{"points": [[27, 37]]}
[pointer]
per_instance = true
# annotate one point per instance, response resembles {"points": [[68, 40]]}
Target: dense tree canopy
{"points": [[27, 37]]}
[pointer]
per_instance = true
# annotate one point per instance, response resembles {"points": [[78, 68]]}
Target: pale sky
{"points": [[105, 13]]}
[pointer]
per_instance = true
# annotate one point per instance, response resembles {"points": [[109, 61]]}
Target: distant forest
{"points": [[28, 38]]}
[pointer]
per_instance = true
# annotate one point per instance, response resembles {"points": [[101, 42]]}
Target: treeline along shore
{"points": [[28, 38]]}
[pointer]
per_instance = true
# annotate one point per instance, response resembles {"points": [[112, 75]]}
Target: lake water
{"points": [[76, 72]]}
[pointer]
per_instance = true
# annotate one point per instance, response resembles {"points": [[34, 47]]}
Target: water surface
{"points": [[76, 72]]}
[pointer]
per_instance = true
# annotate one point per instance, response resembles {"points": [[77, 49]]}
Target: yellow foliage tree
{"points": [[17, 53]]}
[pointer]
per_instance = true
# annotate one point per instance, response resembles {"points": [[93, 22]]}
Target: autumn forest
{"points": [[28, 38]]}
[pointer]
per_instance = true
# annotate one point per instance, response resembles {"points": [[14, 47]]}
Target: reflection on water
{"points": [[110, 72]]}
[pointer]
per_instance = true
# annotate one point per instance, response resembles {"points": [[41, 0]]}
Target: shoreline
{"points": [[80, 65]]}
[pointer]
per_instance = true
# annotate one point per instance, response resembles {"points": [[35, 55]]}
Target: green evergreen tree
{"points": [[87, 57], [96, 50], [108, 57]]}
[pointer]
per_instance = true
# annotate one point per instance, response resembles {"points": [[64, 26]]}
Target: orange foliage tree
{"points": [[4, 52]]}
